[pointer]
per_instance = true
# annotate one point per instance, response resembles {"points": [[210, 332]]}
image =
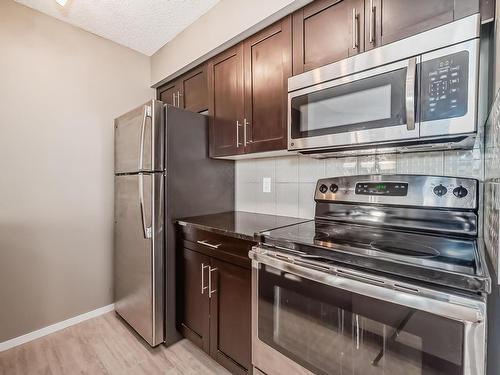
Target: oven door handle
{"points": [[433, 301], [411, 73]]}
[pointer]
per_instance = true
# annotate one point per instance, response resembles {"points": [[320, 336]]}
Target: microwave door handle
{"points": [[410, 93]]}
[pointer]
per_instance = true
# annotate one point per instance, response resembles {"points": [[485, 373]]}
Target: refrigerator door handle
{"points": [[145, 114], [145, 229]]}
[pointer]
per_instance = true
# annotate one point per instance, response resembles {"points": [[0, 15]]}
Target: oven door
{"points": [[309, 321], [377, 105]]}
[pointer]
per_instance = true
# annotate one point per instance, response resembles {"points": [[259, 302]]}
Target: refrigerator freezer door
{"points": [[138, 253], [139, 139]]}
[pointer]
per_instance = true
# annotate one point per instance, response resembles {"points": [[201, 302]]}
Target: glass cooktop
{"points": [[324, 239]]}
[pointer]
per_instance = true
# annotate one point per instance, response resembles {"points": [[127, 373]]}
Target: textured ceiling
{"points": [[143, 25]]}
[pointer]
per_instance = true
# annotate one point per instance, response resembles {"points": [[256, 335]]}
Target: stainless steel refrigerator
{"points": [[162, 172]]}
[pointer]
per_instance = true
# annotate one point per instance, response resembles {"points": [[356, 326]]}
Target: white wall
{"points": [[60, 89], [213, 31]]}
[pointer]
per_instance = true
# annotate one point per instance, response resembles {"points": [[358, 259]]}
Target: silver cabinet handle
{"points": [[146, 231], [204, 242], [410, 93], [372, 22], [245, 123], [210, 291], [173, 99], [179, 99], [355, 37], [146, 112], [203, 287], [238, 144]]}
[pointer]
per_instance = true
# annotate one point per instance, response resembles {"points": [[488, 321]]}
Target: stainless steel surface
{"points": [[371, 23], [358, 137], [468, 122], [210, 290], [205, 242], [238, 144], [355, 42], [471, 312], [139, 139], [410, 93], [138, 260], [145, 227], [203, 287], [452, 33], [245, 123], [449, 133], [420, 191]]}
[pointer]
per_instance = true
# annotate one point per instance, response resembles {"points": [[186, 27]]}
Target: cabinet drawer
{"points": [[225, 248]]}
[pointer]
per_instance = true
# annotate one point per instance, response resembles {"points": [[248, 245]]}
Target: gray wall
{"points": [[60, 88]]}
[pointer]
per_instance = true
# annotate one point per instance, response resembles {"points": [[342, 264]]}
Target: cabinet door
{"points": [[267, 64], [230, 316], [193, 90], [327, 31], [398, 19], [193, 296], [168, 93], [225, 102]]}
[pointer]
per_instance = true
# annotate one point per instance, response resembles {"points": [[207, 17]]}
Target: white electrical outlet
{"points": [[266, 184]]}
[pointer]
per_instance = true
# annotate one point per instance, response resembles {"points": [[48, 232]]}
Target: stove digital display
{"points": [[392, 189]]}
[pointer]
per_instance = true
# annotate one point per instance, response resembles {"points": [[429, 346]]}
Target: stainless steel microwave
{"points": [[414, 94]]}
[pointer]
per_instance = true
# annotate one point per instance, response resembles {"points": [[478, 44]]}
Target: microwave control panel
{"points": [[444, 87]]}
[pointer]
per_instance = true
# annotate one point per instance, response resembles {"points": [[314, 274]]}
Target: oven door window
{"points": [[369, 103], [332, 331]]}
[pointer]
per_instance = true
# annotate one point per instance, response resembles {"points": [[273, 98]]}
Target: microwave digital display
{"points": [[394, 189], [444, 87]]}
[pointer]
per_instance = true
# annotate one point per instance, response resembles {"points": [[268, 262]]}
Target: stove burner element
{"points": [[408, 249]]}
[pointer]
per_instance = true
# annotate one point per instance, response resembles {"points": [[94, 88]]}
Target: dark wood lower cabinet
{"points": [[230, 316], [214, 297], [195, 307]]}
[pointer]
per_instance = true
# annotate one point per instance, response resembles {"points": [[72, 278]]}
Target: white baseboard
{"points": [[16, 341]]}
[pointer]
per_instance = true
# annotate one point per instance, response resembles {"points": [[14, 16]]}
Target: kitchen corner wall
{"points": [[293, 178], [60, 89]]}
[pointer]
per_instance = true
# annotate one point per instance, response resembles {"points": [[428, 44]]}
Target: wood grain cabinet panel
{"points": [[267, 66], [326, 31], [230, 316], [167, 93], [225, 102], [217, 318], [193, 90], [389, 20], [194, 310]]}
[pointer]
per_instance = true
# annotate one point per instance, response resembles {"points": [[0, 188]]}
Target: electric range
{"points": [[389, 277]]}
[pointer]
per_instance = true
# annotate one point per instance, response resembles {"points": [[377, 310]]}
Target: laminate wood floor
{"points": [[104, 345]]}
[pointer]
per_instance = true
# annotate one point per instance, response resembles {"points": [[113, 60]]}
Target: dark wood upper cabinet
{"points": [[188, 91], [326, 31], [193, 90], [194, 312], [267, 61], [225, 102], [389, 20], [168, 93], [230, 316]]}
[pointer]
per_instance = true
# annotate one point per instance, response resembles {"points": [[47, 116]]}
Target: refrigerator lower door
{"points": [[139, 139], [139, 253]]}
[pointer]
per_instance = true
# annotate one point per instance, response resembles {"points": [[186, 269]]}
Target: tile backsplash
{"points": [[293, 178]]}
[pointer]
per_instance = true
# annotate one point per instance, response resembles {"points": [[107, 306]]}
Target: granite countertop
{"points": [[239, 224]]}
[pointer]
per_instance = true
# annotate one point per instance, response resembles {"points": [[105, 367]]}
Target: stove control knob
{"points": [[440, 190], [323, 188], [460, 192], [334, 188]]}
